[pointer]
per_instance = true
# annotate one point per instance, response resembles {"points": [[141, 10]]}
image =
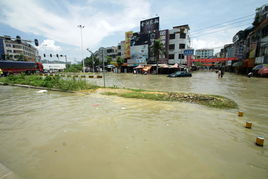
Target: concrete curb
{"points": [[71, 76], [35, 87]]}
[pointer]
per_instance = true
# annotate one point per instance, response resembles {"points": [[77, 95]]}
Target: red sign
{"points": [[210, 60]]}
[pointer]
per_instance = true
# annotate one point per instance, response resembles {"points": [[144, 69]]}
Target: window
{"points": [[182, 35], [171, 36], [110, 50], [119, 47], [182, 46], [9, 51], [8, 45], [181, 56], [171, 46], [171, 56]]}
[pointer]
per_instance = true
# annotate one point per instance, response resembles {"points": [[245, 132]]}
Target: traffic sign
{"points": [[188, 52]]}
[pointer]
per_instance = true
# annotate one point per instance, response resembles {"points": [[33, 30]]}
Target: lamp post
{"points": [[103, 68], [92, 58], [81, 27]]}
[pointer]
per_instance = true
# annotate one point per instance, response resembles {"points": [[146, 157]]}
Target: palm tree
{"points": [[158, 48]]}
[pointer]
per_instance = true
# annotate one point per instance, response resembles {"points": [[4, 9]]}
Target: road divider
{"points": [[72, 76]]}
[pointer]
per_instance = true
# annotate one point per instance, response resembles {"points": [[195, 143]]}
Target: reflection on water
{"points": [[61, 135]]}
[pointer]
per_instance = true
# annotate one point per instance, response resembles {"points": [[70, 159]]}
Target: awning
{"points": [[147, 68], [175, 66], [237, 64], [163, 65], [258, 67], [140, 66]]}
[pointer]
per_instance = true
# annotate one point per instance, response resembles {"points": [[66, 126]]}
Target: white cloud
{"points": [[31, 16], [49, 45], [214, 38]]}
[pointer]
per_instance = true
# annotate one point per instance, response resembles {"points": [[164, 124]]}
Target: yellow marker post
{"points": [[248, 125], [260, 141], [240, 114]]}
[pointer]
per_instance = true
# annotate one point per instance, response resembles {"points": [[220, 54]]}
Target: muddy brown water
{"points": [[62, 135]]}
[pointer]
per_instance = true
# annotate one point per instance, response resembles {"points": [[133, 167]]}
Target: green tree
{"points": [[120, 61], [89, 61], [157, 48], [21, 57], [108, 60], [74, 68]]}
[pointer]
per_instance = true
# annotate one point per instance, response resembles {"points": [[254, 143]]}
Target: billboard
{"points": [[164, 38], [128, 36], [149, 25], [140, 39], [139, 54]]}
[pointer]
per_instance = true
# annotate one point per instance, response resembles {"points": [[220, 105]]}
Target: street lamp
{"points": [[92, 58], [103, 67], [81, 27]]}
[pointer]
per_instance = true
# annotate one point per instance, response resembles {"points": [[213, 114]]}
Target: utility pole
{"points": [[92, 54], [103, 68], [81, 27]]}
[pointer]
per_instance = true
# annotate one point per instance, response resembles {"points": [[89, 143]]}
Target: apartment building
{"points": [[178, 41], [121, 49], [204, 53], [17, 49]]}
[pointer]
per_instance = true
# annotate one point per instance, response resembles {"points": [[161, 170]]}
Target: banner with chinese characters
{"points": [[128, 36], [149, 25]]}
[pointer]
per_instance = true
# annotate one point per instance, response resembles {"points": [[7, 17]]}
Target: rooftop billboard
{"points": [[149, 25]]}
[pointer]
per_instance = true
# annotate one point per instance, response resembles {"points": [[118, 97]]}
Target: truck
{"points": [[11, 67], [54, 67]]}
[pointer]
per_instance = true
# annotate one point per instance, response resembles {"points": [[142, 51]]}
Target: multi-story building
{"points": [[204, 53], [179, 40], [136, 49], [259, 36], [106, 52], [121, 49], [17, 49]]}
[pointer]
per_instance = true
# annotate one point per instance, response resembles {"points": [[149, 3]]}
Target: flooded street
{"points": [[72, 135]]}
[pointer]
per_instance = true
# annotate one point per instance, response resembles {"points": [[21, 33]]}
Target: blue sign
{"points": [[188, 52]]}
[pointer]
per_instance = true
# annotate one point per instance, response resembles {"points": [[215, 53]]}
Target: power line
{"points": [[237, 22], [223, 22], [223, 29]]}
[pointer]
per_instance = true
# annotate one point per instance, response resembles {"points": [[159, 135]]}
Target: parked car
{"points": [[180, 74]]}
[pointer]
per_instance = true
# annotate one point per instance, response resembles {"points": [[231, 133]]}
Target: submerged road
{"points": [[63, 135]]}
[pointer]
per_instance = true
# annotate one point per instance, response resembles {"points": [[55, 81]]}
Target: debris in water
{"points": [[42, 91]]}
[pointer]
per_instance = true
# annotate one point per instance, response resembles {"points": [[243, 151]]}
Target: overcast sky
{"points": [[54, 22]]}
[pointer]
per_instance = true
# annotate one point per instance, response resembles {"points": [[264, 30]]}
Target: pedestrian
{"points": [[1, 72], [219, 74], [222, 72]]}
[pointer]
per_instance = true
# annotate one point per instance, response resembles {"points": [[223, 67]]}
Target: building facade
{"points": [[136, 48], [204, 53], [178, 41], [17, 49]]}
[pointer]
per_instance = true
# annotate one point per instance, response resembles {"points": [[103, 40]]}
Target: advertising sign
{"points": [[149, 25], [140, 39], [128, 36], [164, 38], [252, 52], [139, 54]]}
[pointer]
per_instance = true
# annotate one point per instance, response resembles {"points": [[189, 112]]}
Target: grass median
{"points": [[203, 99], [49, 82]]}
